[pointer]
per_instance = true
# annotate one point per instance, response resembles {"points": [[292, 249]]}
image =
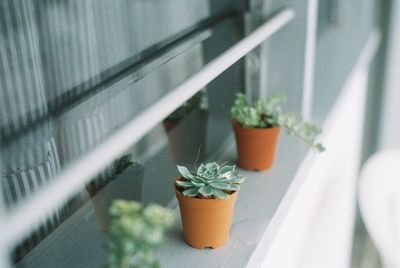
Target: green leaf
{"points": [[184, 184], [220, 185], [206, 191], [220, 194], [185, 172], [198, 184], [235, 187], [191, 192], [320, 148], [237, 179], [212, 166], [201, 169], [226, 169]]}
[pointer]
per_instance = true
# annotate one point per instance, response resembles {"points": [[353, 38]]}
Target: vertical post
{"points": [[256, 61], [263, 71], [389, 127], [309, 58], [251, 61], [4, 251]]}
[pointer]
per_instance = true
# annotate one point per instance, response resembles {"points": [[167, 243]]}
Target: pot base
{"points": [[206, 222], [198, 246]]}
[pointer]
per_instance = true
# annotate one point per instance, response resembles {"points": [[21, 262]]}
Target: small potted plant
{"points": [[257, 129], [206, 200], [135, 232]]}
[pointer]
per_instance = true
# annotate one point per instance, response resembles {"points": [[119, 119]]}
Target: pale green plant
{"points": [[135, 232], [209, 181], [269, 113]]}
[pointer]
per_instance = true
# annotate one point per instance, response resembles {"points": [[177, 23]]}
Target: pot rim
{"points": [[232, 195], [238, 125]]}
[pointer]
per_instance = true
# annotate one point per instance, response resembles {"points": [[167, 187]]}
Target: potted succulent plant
{"points": [[135, 232], [257, 129], [206, 200]]}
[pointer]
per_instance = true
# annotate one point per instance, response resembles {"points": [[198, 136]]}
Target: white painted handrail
{"points": [[379, 199], [23, 218]]}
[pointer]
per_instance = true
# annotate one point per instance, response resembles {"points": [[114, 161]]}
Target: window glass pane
{"points": [[72, 72], [281, 57], [338, 22]]}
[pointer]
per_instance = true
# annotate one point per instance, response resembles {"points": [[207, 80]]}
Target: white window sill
{"points": [[79, 242]]}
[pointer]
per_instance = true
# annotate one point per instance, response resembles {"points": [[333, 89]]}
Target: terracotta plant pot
{"points": [[256, 146], [206, 222]]}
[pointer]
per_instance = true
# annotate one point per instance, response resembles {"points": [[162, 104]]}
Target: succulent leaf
{"points": [[212, 166], [224, 186], [197, 184], [205, 191], [201, 169], [220, 194], [184, 172], [221, 186], [225, 170], [210, 180], [191, 192], [185, 183]]}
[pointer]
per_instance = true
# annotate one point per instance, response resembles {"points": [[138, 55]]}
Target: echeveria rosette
{"points": [[210, 181], [268, 113]]}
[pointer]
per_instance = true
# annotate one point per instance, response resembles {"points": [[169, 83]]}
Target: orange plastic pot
{"points": [[256, 146], [206, 222]]}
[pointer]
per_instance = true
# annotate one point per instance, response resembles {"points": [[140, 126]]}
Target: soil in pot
{"points": [[256, 146], [206, 222]]}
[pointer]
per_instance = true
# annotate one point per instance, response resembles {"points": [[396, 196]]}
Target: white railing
{"points": [[309, 58], [23, 218]]}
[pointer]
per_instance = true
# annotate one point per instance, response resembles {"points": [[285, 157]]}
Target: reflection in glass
{"points": [[127, 186], [186, 128], [328, 15]]}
